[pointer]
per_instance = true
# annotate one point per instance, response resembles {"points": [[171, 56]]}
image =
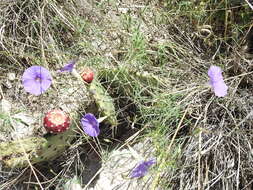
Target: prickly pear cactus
{"points": [[126, 79], [36, 149], [104, 102], [45, 147]]}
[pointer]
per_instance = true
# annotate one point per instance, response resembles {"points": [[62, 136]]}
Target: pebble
{"points": [[5, 106], [8, 84], [25, 118], [123, 10], [73, 184], [20, 130], [11, 76]]}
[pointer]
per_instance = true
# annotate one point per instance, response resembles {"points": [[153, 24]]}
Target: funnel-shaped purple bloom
{"points": [[68, 67], [142, 168], [36, 80], [216, 81], [90, 125]]}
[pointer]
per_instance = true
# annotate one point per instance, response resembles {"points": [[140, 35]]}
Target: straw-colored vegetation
{"points": [[152, 58]]}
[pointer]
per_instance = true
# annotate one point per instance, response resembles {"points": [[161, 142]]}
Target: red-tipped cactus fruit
{"points": [[56, 121], [87, 75]]}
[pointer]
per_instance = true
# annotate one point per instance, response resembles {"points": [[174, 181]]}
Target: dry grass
{"points": [[35, 31], [212, 147]]}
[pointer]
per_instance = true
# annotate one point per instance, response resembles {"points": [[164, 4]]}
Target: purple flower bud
{"points": [[69, 67], [90, 125], [36, 80], [216, 81], [142, 168]]}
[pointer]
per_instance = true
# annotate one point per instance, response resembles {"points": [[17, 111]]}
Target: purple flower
{"points": [[142, 168], [36, 80], [69, 67], [216, 81], [90, 125]]}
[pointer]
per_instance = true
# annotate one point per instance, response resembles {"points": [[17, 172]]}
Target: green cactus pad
{"points": [[104, 102], [36, 149], [125, 79]]}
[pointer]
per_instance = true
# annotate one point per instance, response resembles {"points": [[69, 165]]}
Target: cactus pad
{"points": [[104, 102], [126, 79]]}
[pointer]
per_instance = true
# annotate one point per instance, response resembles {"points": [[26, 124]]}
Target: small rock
{"points": [[5, 106], [11, 76], [8, 84], [20, 130], [24, 118], [123, 10], [115, 173], [103, 47], [2, 137], [73, 184], [96, 43]]}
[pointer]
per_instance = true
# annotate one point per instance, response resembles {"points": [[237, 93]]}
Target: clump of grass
{"points": [[221, 25], [160, 68], [213, 154], [36, 30]]}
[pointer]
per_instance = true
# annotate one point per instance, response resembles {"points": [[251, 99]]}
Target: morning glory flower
{"points": [[69, 67], [90, 125], [142, 168], [216, 81], [36, 80]]}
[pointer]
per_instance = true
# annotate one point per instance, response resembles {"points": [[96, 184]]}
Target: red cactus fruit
{"points": [[56, 121], [87, 75]]}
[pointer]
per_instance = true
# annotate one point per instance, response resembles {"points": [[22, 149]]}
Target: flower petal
{"points": [[220, 89], [36, 80], [68, 67], [29, 73], [215, 74], [150, 162], [92, 119], [142, 168], [32, 87], [217, 82], [45, 84], [90, 125]]}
